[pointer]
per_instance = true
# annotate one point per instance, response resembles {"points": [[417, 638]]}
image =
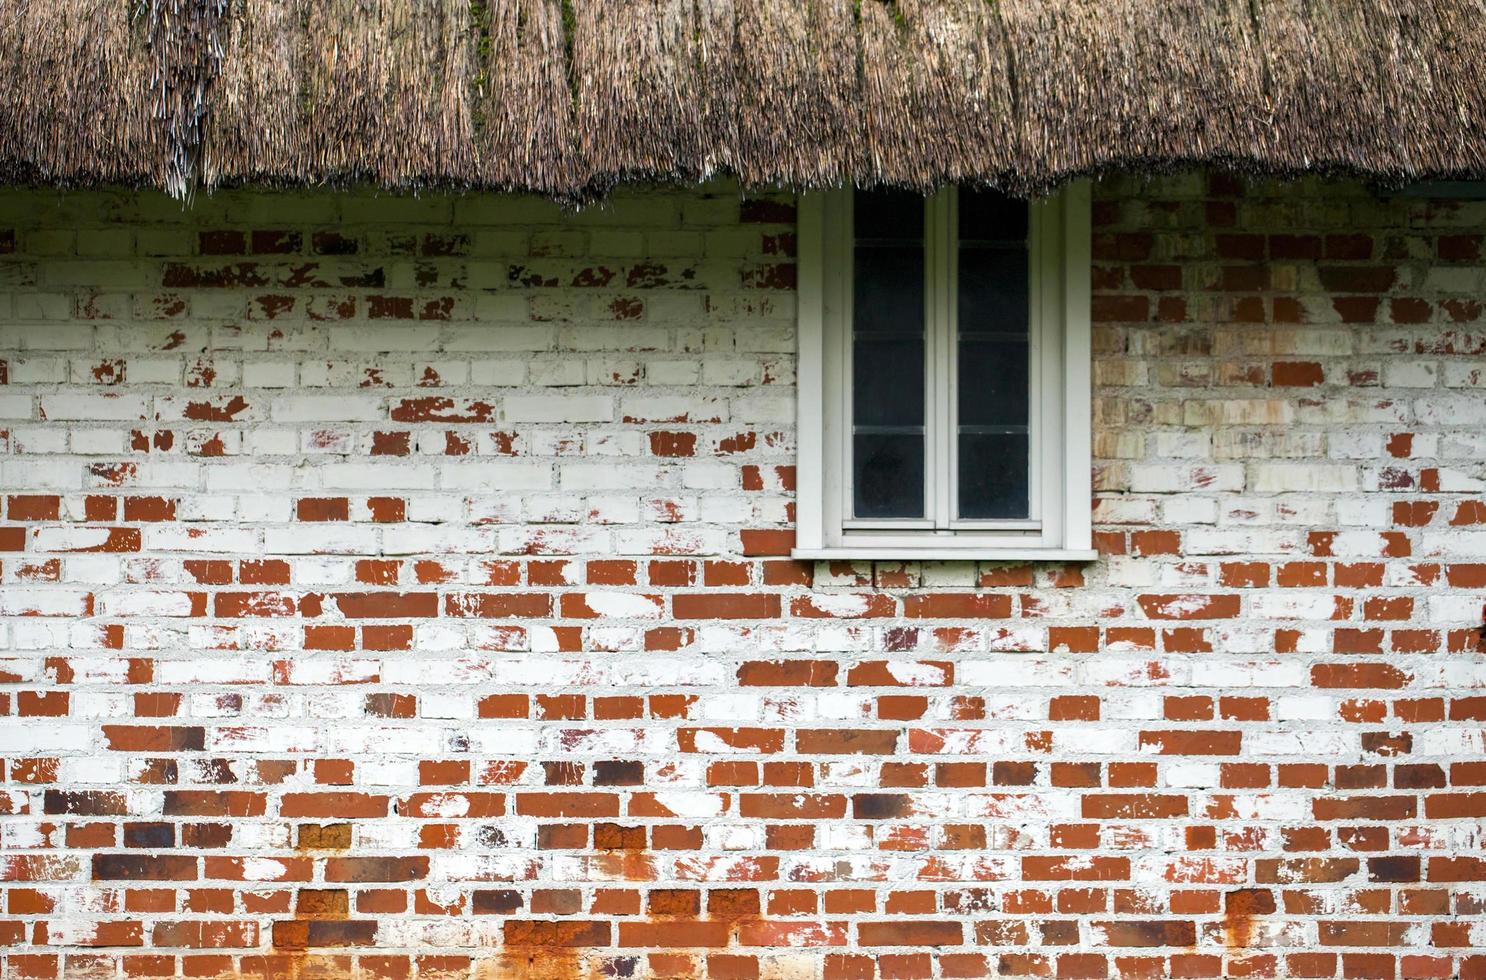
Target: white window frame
{"points": [[1060, 455]]}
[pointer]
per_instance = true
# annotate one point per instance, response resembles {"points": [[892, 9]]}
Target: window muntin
{"points": [[1028, 313]]}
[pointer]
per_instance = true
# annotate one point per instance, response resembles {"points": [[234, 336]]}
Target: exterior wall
{"points": [[401, 585]]}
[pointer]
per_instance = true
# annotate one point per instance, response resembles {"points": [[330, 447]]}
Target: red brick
{"points": [[1297, 374], [724, 605], [957, 606], [1224, 606]]}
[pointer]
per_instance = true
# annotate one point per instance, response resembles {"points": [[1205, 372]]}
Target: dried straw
{"points": [[76, 104], [523, 102], [565, 97]]}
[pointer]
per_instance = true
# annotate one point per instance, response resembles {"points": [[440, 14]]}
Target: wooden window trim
{"points": [[1061, 491]]}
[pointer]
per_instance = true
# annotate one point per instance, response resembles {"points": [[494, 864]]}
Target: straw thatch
{"points": [[75, 94], [566, 97]]}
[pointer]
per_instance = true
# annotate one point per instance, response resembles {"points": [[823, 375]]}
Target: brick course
{"points": [[402, 586]]}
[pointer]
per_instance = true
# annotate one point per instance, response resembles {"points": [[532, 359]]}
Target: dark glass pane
{"points": [[993, 381], [993, 475], [993, 289], [887, 380], [987, 214], [994, 402], [888, 475], [888, 289], [888, 214], [887, 352]]}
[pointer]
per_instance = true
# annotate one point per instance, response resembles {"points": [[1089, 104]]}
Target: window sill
{"points": [[872, 553]]}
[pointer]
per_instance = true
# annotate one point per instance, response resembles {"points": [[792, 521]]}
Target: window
{"points": [[944, 375]]}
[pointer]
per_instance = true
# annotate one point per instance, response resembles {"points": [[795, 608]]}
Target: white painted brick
{"points": [[83, 407], [1210, 478], [502, 336], [208, 539], [501, 476], [372, 339], [322, 539], [328, 408], [413, 539], [29, 737], [375, 477], [607, 476], [557, 408], [498, 373], [1303, 478], [16, 406], [269, 374]]}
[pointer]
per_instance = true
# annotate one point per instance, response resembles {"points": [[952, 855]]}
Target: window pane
{"points": [[993, 475], [888, 214], [888, 474], [887, 351], [997, 370], [884, 391], [888, 289], [986, 214], [994, 355], [993, 288]]}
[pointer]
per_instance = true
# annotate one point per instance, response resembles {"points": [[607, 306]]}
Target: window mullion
{"points": [[931, 347], [846, 258]]}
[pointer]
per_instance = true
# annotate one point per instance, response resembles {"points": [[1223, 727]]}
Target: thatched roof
{"points": [[565, 97]]}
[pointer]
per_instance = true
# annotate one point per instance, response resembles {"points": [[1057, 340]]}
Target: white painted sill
{"points": [[868, 553]]}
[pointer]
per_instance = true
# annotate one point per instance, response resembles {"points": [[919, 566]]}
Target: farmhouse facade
{"points": [[481, 495]]}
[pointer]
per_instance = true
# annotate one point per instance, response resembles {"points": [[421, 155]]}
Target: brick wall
{"points": [[401, 585]]}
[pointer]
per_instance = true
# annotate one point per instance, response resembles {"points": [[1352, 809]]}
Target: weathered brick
{"points": [[432, 569]]}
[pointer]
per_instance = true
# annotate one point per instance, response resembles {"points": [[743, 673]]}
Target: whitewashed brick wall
{"points": [[401, 585]]}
